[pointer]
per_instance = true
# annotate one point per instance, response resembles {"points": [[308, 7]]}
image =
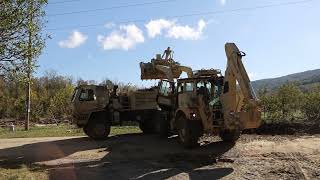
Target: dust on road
{"points": [[137, 156]]}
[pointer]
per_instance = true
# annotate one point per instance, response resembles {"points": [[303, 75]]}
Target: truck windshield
{"points": [[87, 95], [185, 87]]}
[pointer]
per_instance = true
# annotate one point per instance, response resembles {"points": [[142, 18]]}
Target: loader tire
{"points": [[189, 132], [163, 125], [97, 129], [164, 128], [230, 135]]}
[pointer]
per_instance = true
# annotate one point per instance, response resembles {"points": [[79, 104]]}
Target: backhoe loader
{"points": [[206, 102]]}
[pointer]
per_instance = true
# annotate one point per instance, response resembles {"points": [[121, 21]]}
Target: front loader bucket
{"points": [[150, 70]]}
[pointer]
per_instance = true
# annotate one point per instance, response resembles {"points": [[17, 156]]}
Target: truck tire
{"points": [[97, 129], [163, 124], [230, 135], [189, 131], [146, 127]]}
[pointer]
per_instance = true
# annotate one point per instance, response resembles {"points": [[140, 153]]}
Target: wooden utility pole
{"points": [[29, 64]]}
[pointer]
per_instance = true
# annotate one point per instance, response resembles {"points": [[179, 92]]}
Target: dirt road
{"points": [[137, 156]]}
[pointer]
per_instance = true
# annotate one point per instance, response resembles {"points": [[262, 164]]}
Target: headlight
{"points": [[193, 115]]}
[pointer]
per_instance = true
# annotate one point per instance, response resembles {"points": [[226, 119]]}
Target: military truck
{"points": [[206, 101], [97, 108]]}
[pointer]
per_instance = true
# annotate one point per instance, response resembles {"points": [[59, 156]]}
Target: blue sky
{"points": [[278, 40]]}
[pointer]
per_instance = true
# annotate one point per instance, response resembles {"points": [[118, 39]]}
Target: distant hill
{"points": [[305, 80]]}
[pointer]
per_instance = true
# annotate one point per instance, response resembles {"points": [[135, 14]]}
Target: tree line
{"points": [[51, 99], [289, 103], [21, 42], [50, 95]]}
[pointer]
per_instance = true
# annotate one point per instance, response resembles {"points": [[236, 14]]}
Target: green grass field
{"points": [[59, 131]]}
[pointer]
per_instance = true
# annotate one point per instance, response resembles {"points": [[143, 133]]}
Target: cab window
{"points": [[188, 87], [201, 88], [208, 86], [87, 95], [165, 88], [180, 87], [204, 86]]}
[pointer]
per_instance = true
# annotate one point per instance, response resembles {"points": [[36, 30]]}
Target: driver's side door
{"points": [[85, 101]]}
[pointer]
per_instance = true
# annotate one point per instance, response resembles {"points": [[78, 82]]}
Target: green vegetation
{"points": [[60, 131], [21, 42], [311, 105], [50, 96], [21, 39], [289, 104]]}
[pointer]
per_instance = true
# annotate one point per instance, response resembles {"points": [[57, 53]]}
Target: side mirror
{"points": [[220, 82]]}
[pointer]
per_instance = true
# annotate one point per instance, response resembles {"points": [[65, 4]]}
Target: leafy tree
{"points": [[289, 97], [60, 104], [311, 106], [271, 106], [21, 40], [21, 22], [262, 94]]}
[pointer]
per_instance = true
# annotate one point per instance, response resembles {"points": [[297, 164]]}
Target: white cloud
{"points": [[174, 30], [75, 39], [186, 32], [155, 27], [125, 38], [223, 2]]}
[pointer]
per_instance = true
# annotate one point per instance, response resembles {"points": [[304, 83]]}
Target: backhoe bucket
{"points": [[150, 70]]}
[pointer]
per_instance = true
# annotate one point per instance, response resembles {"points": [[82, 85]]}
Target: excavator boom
{"points": [[239, 100]]}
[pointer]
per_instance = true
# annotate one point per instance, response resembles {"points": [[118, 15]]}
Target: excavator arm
{"points": [[240, 104]]}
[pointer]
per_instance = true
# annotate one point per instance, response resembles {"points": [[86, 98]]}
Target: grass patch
{"points": [[116, 130], [60, 131], [22, 173]]}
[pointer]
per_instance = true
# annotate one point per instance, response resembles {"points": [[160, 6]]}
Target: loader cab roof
{"points": [[90, 86], [195, 79], [203, 78], [203, 74]]}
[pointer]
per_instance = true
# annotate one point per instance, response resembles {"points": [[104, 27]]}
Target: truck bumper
{"points": [[80, 120]]}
